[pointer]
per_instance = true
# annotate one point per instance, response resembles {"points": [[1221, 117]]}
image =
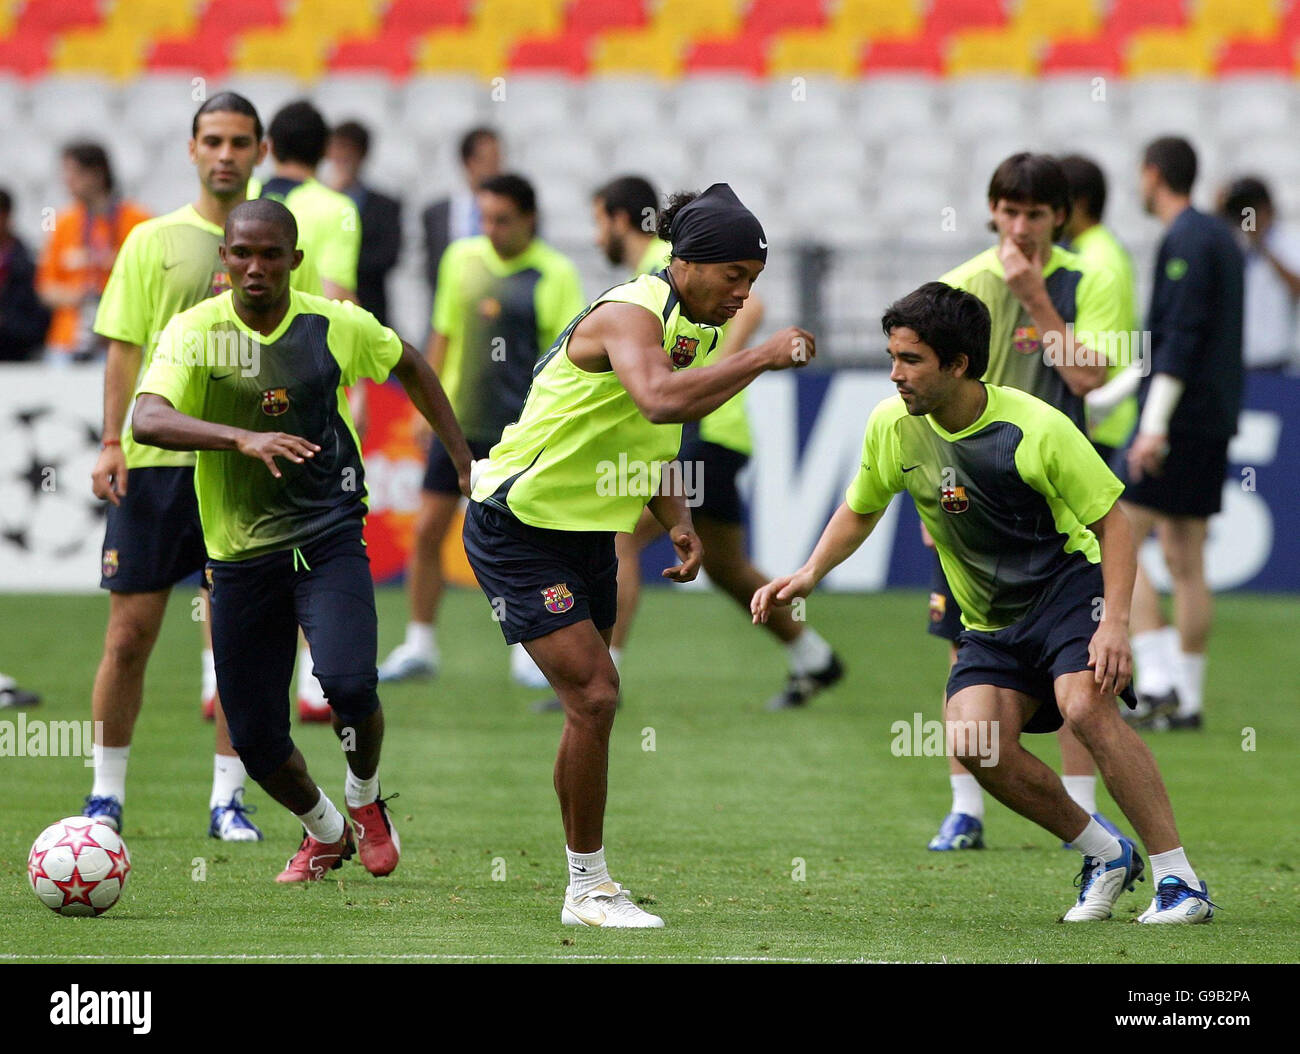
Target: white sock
{"points": [[617, 655], [420, 638], [358, 792], [1174, 863], [1191, 685], [309, 689], [209, 688], [1083, 789], [808, 652], [1154, 674], [228, 778], [586, 870], [1095, 840], [323, 821], [967, 797], [110, 772]]}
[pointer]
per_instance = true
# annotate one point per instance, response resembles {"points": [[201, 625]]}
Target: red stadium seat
{"points": [[1128, 16], [26, 55], [390, 52], [903, 55], [209, 55], [595, 16], [1256, 56], [224, 19], [1290, 28], [1082, 55], [566, 53], [416, 17], [950, 16], [54, 16], [743, 54], [766, 17]]}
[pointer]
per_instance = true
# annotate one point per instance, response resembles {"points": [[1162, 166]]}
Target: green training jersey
{"points": [[582, 456], [210, 365], [499, 316], [166, 265], [1098, 247], [1007, 500], [329, 232], [1087, 298]]}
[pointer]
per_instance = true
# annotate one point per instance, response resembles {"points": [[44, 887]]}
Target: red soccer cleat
{"points": [[377, 838], [209, 708], [309, 712], [314, 858]]}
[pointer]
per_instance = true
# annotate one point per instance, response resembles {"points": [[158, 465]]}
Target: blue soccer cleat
{"points": [[1106, 826], [230, 822], [1101, 883], [1175, 901], [105, 810], [958, 831]]}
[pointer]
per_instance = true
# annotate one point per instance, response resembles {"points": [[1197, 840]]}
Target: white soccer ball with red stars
{"points": [[78, 866]]}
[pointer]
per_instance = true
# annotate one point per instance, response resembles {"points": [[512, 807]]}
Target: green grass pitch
{"points": [[709, 827]]}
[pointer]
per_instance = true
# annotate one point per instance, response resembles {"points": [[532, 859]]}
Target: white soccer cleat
{"points": [[405, 663], [1177, 902], [524, 670], [607, 906], [1100, 883]]}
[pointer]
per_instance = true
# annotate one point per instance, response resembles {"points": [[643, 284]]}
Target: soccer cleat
{"points": [[314, 858], [608, 906], [310, 713], [801, 687], [1177, 902], [230, 822], [377, 839], [405, 663], [1106, 826], [106, 810], [209, 708], [1100, 883], [958, 831], [1181, 723], [11, 695], [1151, 709]]}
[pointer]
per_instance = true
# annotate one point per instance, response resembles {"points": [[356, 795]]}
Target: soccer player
{"points": [[1178, 459], [152, 539], [503, 297], [1025, 518], [585, 457], [1040, 299], [282, 516]]}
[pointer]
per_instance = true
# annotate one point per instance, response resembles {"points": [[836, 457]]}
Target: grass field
{"points": [[708, 826]]}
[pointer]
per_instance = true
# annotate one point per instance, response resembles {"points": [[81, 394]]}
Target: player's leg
{"points": [[1183, 541], [1079, 774], [1155, 642]]}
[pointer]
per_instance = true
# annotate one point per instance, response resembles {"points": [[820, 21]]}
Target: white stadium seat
{"points": [[885, 106], [443, 107], [67, 107], [368, 98], [618, 107]]}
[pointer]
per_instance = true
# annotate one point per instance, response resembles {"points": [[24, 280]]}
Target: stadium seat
{"points": [[801, 107], [416, 17], [921, 153], [151, 18], [595, 16], [461, 51], [1079, 56], [765, 17], [1166, 105], [25, 56], [267, 91], [980, 106], [1127, 17], [519, 18], [828, 211], [828, 153], [536, 103], [562, 53], [288, 50], [693, 19], [64, 106], [814, 52], [721, 55], [225, 19], [612, 105], [207, 55], [368, 98], [1235, 18], [1160, 52], [1252, 105], [975, 52], [632, 52], [729, 101], [952, 16], [871, 19], [391, 165], [391, 53], [667, 163], [887, 105], [1251, 56], [902, 55], [910, 205], [754, 158], [561, 157], [97, 52], [1052, 19], [43, 17], [437, 107], [1074, 104], [160, 106]]}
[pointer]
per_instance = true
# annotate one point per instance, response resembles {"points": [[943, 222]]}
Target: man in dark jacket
{"points": [[23, 318]]}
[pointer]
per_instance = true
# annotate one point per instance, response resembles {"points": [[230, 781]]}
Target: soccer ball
{"points": [[78, 866]]}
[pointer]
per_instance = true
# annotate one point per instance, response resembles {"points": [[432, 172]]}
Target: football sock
{"points": [[1095, 840], [1173, 863], [1154, 674], [228, 777], [617, 655], [358, 792], [209, 688], [420, 637], [967, 797], [309, 688], [323, 821], [808, 652], [110, 772], [586, 870], [1191, 686], [1083, 789]]}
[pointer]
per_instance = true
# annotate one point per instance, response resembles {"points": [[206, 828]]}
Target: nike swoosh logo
{"points": [[762, 244], [169, 266], [588, 914], [222, 377], [910, 469], [583, 870]]}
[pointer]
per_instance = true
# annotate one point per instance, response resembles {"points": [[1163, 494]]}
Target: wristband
{"points": [[109, 442]]}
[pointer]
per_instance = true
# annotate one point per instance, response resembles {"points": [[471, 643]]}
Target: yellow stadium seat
{"points": [[1058, 18], [301, 55], [814, 52], [94, 51], [1235, 18], [695, 19], [519, 18], [152, 18], [8, 14], [333, 18], [1159, 52], [462, 51], [877, 18], [975, 52], [637, 51]]}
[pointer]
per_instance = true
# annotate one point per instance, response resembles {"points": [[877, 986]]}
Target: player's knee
{"points": [[352, 696], [1083, 715], [596, 701], [261, 752], [129, 642]]}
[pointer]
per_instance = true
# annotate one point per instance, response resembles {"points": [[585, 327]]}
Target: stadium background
{"points": [[862, 132]]}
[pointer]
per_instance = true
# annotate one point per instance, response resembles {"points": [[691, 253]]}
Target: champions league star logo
{"points": [[953, 499], [683, 353], [557, 598]]}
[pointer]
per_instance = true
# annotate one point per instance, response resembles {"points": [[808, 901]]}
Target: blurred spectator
{"points": [[23, 318], [458, 216], [1272, 275], [81, 251], [381, 216], [12, 695]]}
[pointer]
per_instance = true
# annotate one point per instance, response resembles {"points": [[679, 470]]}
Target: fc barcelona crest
{"points": [[1026, 340], [683, 353], [953, 499], [220, 283], [557, 598], [275, 401], [109, 566]]}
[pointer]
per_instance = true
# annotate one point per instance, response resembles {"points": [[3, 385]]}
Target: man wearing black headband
{"points": [[588, 453]]}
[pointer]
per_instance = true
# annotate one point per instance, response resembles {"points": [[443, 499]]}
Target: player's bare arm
{"points": [[670, 509], [1109, 652], [842, 538], [158, 423], [108, 479], [422, 386]]}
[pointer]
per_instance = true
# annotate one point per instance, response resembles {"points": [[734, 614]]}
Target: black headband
{"points": [[717, 228]]}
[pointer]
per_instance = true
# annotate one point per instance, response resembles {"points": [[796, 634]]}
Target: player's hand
{"points": [[267, 446], [108, 479], [690, 551], [926, 540], [780, 592], [1146, 456], [1110, 657], [1023, 274], [789, 348]]}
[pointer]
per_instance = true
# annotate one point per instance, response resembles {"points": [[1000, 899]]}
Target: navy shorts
{"points": [[440, 471], [945, 612], [540, 580], [1028, 656], [257, 607], [1191, 483], [153, 540], [715, 472]]}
